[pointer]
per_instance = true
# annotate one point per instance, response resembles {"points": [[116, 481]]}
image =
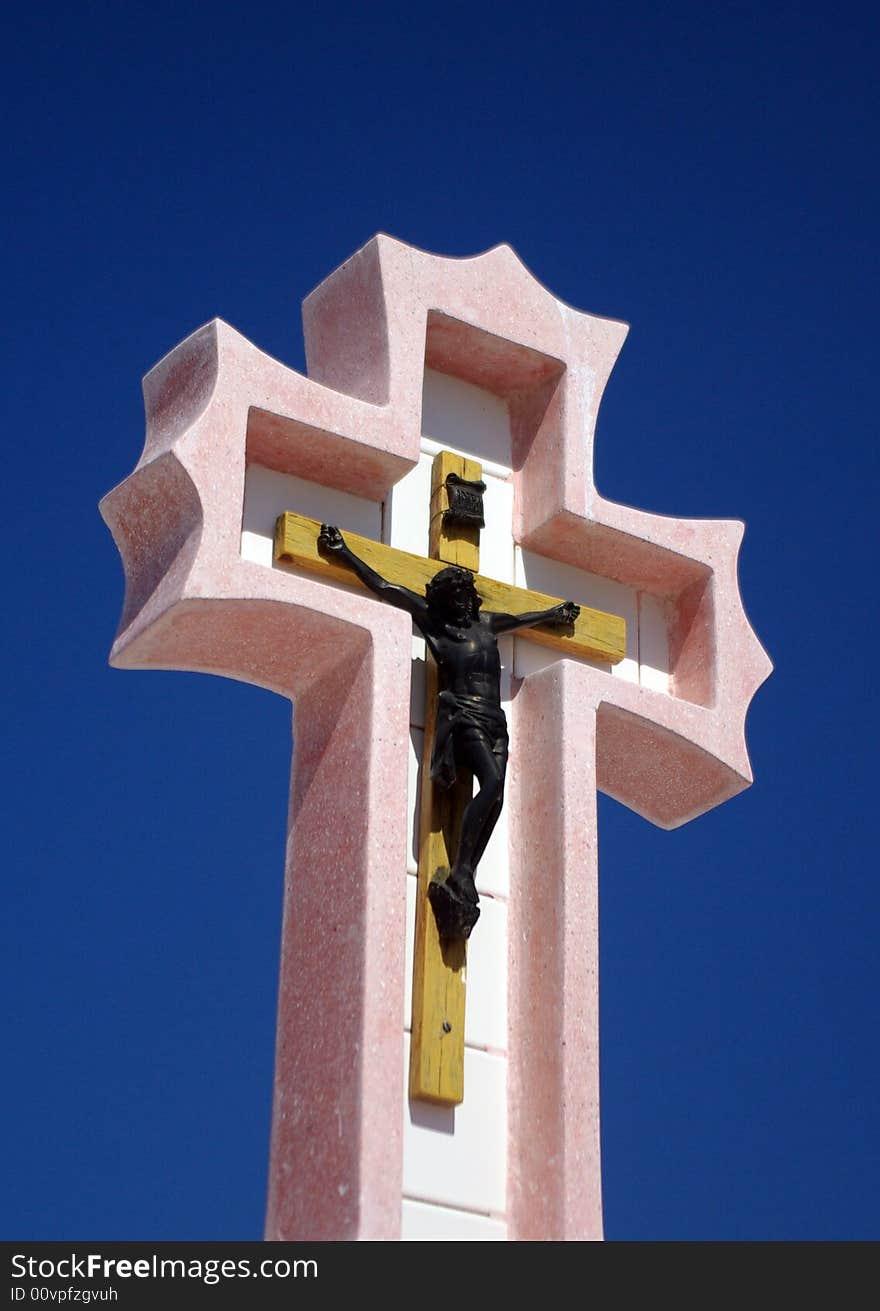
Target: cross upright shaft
{"points": [[436, 1067]]}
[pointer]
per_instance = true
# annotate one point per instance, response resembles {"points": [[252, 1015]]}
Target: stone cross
{"points": [[409, 354]]}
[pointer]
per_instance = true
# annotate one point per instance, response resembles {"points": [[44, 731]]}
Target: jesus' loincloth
{"points": [[458, 718]]}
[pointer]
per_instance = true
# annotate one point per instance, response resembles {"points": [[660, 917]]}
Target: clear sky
{"points": [[700, 171]]}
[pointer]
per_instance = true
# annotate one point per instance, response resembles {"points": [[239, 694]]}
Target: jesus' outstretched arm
{"points": [[565, 613], [332, 543]]}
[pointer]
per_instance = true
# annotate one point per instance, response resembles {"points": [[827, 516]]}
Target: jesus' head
{"points": [[452, 596]]}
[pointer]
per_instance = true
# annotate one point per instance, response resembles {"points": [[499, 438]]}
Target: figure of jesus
{"points": [[471, 729]]}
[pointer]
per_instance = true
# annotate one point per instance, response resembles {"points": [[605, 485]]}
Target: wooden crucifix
{"points": [[409, 354], [466, 728]]}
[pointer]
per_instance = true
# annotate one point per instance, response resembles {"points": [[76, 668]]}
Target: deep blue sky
{"points": [[703, 172]]}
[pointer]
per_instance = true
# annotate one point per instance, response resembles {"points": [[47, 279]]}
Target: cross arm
{"points": [[594, 635]]}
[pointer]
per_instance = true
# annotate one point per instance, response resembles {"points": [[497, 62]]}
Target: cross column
{"points": [[554, 1174]]}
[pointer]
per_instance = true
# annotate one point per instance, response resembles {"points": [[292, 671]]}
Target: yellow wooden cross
{"points": [[438, 1004]]}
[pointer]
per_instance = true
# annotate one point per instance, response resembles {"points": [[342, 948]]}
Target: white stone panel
{"points": [[268, 493], [422, 1222], [653, 644], [496, 539], [464, 418], [557, 579], [408, 510], [493, 874], [485, 1023], [457, 1155]]}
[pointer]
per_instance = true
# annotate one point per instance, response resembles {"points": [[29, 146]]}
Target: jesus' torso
{"points": [[467, 658]]}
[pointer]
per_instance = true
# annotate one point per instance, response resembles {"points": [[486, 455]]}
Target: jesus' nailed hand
{"points": [[471, 730]]}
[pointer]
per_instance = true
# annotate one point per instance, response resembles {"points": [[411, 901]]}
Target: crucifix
{"points": [[426, 377], [466, 727]]}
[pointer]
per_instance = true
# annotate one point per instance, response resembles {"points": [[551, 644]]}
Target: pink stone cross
{"points": [[215, 406]]}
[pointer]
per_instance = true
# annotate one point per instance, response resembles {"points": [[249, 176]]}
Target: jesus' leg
{"points": [[455, 902]]}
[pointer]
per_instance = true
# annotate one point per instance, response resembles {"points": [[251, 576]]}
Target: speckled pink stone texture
{"points": [[553, 1088], [216, 403]]}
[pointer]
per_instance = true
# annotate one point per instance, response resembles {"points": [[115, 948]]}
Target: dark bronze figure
{"points": [[471, 731]]}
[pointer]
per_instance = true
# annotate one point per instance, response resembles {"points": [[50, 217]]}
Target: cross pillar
{"points": [[336, 1114], [408, 353], [554, 1175]]}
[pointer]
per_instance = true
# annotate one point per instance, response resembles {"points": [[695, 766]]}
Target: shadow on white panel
{"points": [[458, 1156], [462, 417], [653, 644]]}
